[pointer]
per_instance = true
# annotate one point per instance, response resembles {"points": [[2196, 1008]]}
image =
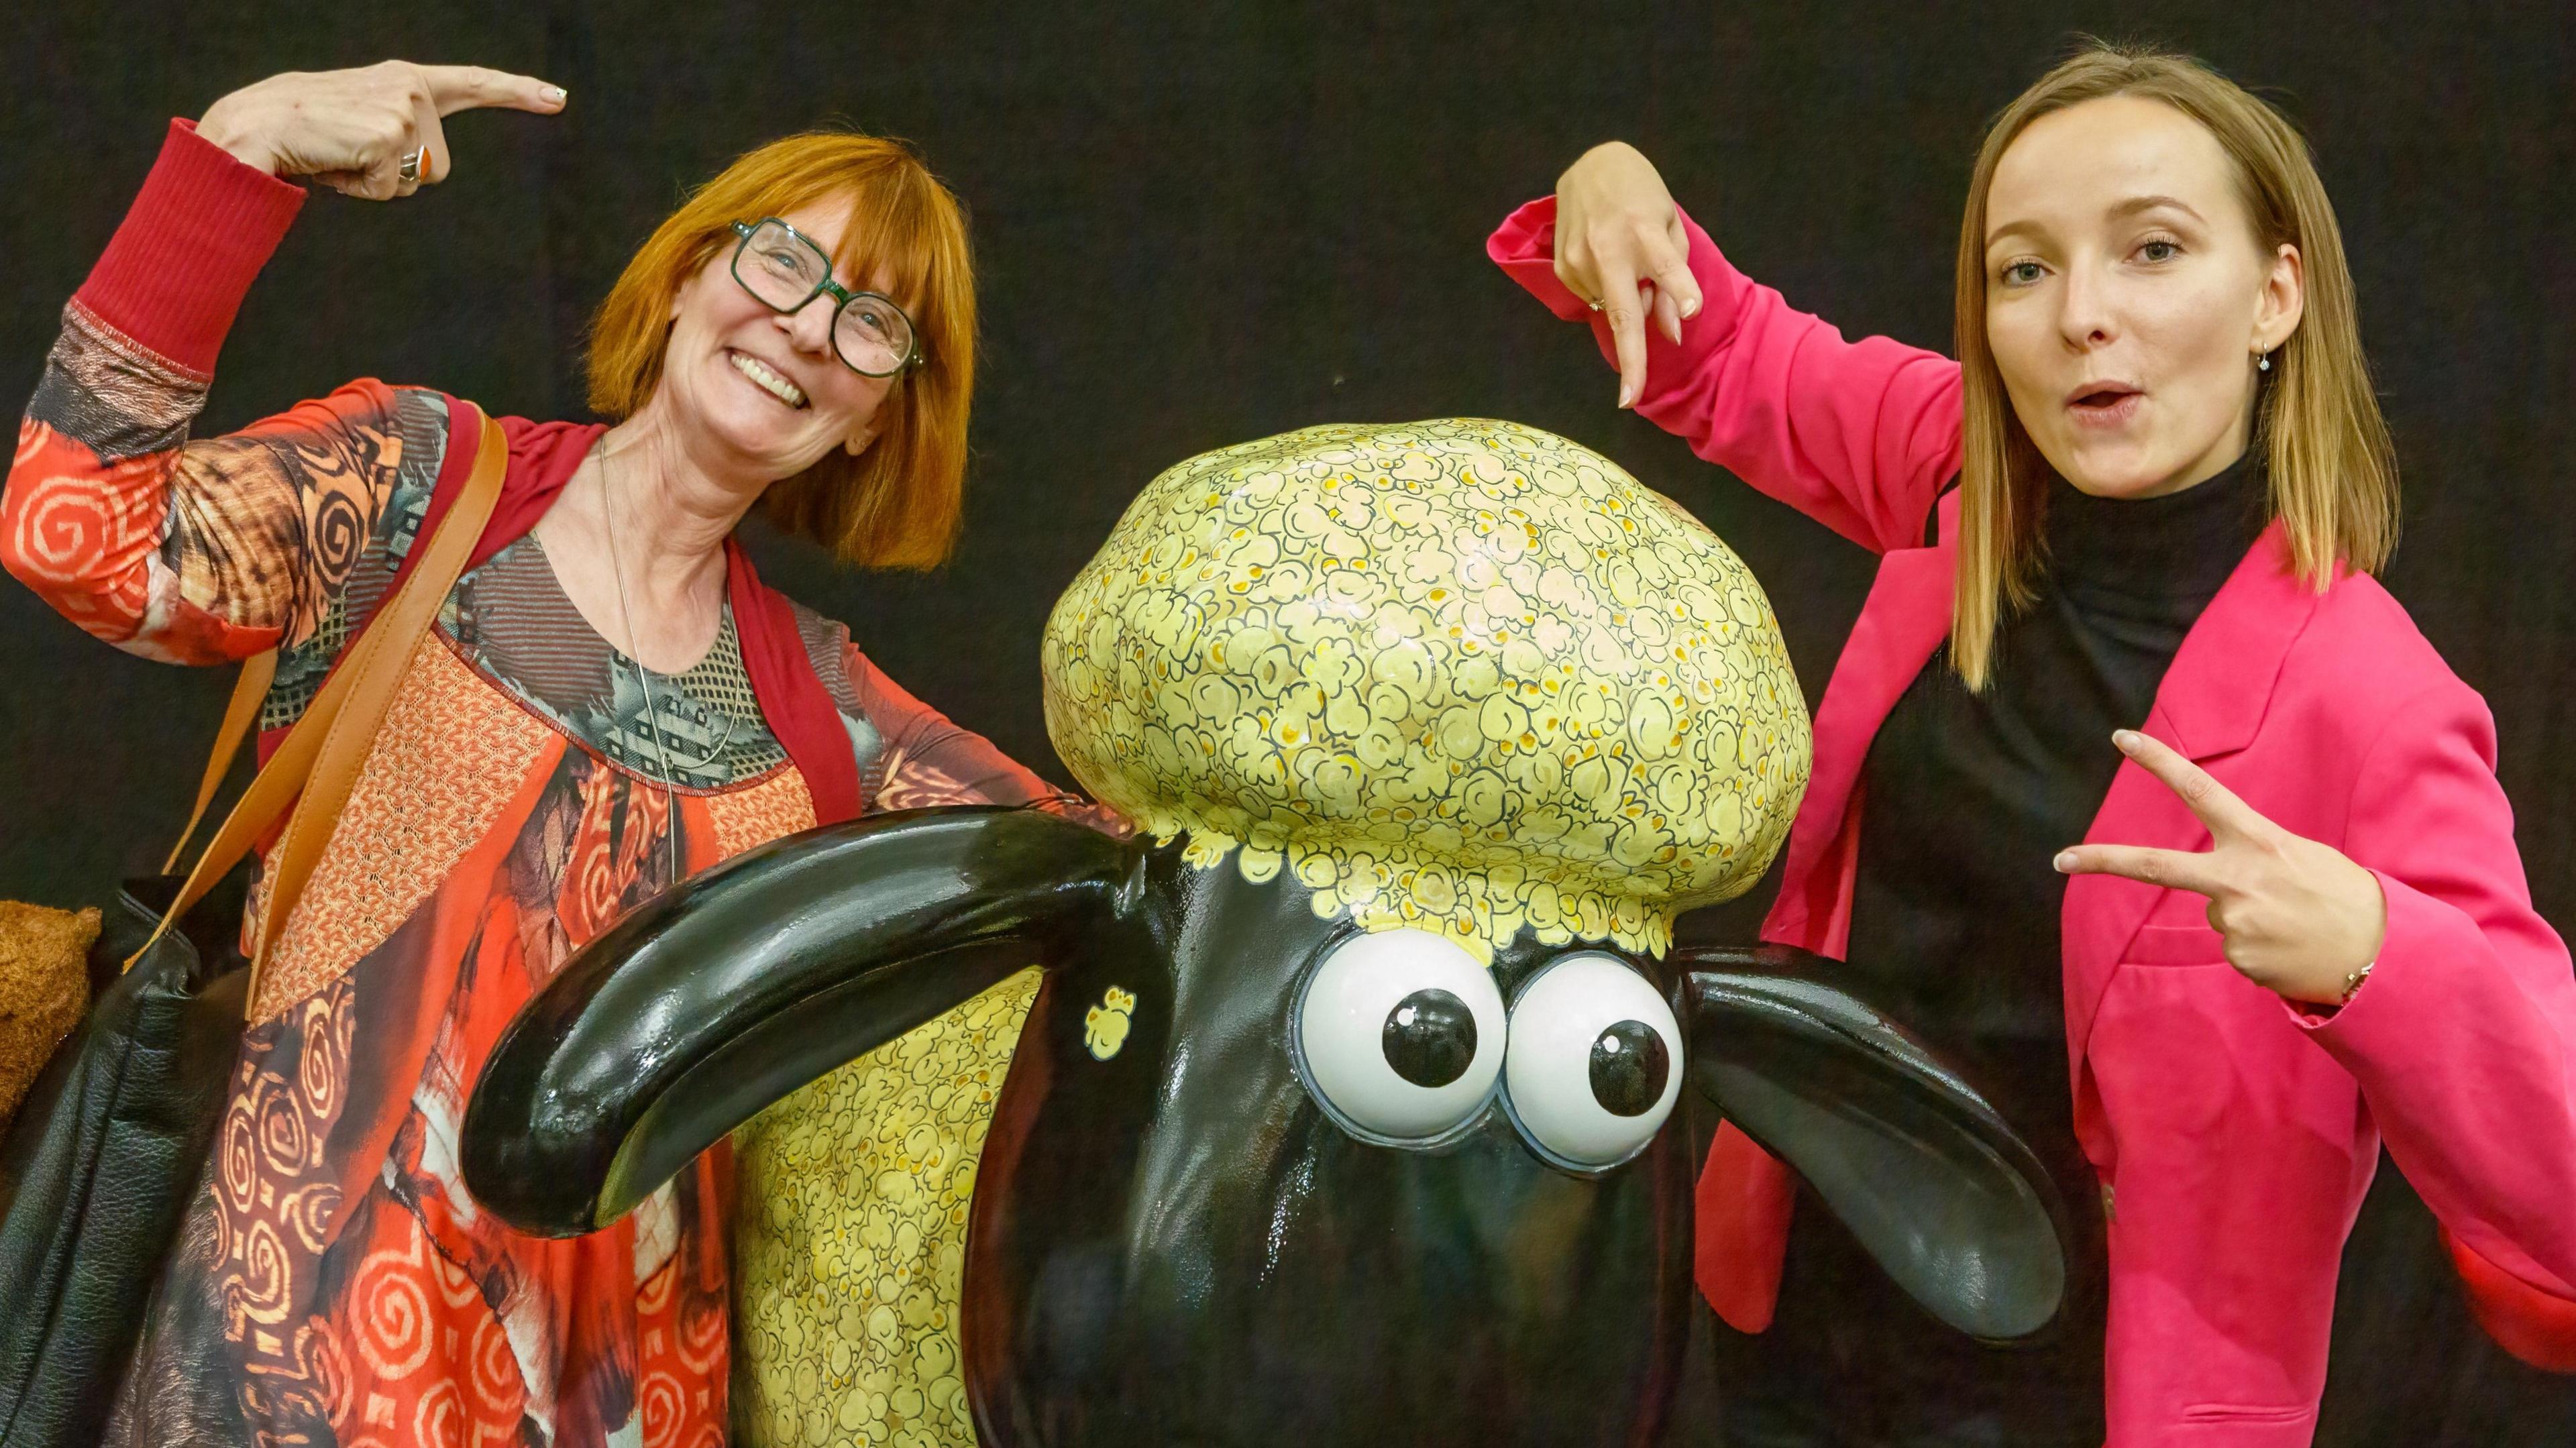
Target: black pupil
{"points": [[1430, 1038], [1629, 1069]]}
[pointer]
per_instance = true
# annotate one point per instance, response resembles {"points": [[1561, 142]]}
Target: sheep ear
{"points": [[1950, 1201], [740, 986]]}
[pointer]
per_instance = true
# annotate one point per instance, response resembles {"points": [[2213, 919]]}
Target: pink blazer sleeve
{"points": [[2464, 1037], [1860, 436]]}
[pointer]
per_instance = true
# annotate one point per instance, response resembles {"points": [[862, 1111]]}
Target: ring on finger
{"points": [[1594, 304], [409, 172]]}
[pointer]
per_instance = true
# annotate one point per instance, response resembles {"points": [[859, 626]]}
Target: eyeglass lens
{"points": [[784, 271]]}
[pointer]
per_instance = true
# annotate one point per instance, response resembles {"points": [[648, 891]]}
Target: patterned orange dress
{"points": [[333, 1282]]}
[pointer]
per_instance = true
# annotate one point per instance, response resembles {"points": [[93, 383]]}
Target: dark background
{"points": [[1201, 223]]}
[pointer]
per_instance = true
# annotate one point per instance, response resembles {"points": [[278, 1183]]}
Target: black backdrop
{"points": [[1200, 223]]}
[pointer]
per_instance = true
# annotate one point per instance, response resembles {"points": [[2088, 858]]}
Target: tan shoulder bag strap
{"points": [[250, 690], [317, 764]]}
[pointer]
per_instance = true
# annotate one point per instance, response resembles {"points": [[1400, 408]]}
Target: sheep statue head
{"points": [[1341, 1115]]}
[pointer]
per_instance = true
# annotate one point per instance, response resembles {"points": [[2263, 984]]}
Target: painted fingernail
{"points": [[2127, 739], [2065, 861], [1624, 391], [1690, 308], [552, 93]]}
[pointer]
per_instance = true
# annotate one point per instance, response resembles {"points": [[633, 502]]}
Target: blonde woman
{"points": [[611, 701], [2142, 511]]}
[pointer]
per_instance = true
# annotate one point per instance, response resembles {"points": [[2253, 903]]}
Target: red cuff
{"points": [[1524, 246], [190, 246], [2533, 1325]]}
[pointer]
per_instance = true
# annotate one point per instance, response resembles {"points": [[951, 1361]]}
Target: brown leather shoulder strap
{"points": [[250, 689], [379, 659], [317, 763]]}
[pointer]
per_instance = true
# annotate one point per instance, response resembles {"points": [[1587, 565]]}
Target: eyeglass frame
{"points": [[841, 297]]}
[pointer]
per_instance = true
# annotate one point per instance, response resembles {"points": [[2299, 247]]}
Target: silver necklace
{"points": [[643, 676]]}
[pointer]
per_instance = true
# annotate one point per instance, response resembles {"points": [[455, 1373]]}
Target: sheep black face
{"points": [[1342, 1115]]}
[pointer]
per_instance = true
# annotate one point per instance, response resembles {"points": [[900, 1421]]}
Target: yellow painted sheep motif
{"points": [[1459, 675]]}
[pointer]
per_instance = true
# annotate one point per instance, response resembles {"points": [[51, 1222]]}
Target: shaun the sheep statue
{"points": [[1340, 1116]]}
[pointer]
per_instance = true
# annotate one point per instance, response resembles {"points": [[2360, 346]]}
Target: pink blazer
{"points": [[2233, 1133]]}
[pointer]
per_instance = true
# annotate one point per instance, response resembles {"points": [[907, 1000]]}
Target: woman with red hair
{"points": [[611, 701]]}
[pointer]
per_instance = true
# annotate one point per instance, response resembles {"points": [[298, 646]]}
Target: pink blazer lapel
{"points": [[1903, 621], [2210, 704]]}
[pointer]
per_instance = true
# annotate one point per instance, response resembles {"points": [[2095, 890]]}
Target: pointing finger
{"points": [[454, 88], [2216, 805], [2179, 869], [1626, 313]]}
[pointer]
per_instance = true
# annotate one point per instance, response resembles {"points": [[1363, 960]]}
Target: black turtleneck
{"points": [[1966, 797]]}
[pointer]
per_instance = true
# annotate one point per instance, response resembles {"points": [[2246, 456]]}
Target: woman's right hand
{"points": [[1620, 246], [351, 129]]}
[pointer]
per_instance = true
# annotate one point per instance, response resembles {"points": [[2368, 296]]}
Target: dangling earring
{"points": [[2263, 362]]}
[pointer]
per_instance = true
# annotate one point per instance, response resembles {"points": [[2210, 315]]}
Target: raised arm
{"points": [[1860, 436], [209, 551]]}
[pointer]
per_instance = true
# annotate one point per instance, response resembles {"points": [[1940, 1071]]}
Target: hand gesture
{"points": [[2297, 917], [1620, 246], [372, 132]]}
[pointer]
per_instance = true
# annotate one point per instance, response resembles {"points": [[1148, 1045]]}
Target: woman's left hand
{"points": [[2297, 916]]}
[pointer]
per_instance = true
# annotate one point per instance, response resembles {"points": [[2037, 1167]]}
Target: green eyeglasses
{"points": [[784, 269]]}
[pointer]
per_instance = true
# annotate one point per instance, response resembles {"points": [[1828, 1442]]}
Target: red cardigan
{"points": [[2233, 1132]]}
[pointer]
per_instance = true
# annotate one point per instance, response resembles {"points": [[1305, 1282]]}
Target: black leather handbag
{"points": [[108, 1145], [107, 1149]]}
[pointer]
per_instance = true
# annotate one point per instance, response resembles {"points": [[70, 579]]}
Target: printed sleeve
{"points": [[923, 759], [210, 550]]}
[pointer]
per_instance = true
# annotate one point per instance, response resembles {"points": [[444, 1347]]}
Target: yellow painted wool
{"points": [[1457, 675], [849, 1247]]}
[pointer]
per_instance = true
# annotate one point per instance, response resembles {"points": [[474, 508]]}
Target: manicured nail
{"points": [[1623, 394], [2065, 862], [1690, 309], [2127, 739], [553, 94]]}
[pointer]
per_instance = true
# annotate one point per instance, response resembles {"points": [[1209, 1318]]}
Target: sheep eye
{"points": [[1430, 1038], [1399, 1036], [1592, 1066]]}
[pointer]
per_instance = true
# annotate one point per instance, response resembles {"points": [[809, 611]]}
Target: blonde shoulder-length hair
{"points": [[896, 504], [2333, 468]]}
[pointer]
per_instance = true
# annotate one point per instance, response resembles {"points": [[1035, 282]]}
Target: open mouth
{"points": [[766, 378], [2104, 403]]}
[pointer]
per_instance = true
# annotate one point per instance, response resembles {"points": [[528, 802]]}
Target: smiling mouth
{"points": [[766, 378]]}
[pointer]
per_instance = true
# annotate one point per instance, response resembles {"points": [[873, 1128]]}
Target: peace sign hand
{"points": [[2297, 916], [373, 132]]}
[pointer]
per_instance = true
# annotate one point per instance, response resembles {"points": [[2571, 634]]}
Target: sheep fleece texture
{"points": [[1457, 675]]}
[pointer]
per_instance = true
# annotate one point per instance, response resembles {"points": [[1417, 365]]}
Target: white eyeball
{"points": [[1400, 1035], [1595, 1061]]}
